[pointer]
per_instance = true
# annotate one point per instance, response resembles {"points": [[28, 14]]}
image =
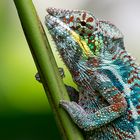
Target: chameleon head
{"points": [[75, 33], [79, 35]]}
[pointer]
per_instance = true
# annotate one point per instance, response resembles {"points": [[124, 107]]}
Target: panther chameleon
{"points": [[107, 77]]}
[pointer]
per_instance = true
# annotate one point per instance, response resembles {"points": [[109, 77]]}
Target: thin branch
{"points": [[46, 65]]}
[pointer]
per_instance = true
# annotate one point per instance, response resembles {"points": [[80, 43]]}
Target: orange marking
{"points": [[71, 19]]}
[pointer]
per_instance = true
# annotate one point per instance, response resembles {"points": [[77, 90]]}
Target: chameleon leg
{"points": [[90, 121], [73, 93], [77, 113]]}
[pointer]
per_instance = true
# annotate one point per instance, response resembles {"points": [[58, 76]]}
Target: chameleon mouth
{"points": [[52, 20]]}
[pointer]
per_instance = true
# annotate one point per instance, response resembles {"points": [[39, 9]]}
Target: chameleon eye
{"points": [[83, 23]]}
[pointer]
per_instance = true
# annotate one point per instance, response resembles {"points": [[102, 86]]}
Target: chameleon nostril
{"points": [[51, 10]]}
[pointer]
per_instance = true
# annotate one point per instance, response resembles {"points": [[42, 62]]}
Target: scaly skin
{"points": [[107, 77]]}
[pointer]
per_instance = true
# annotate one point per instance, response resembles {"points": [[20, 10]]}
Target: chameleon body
{"points": [[107, 77]]}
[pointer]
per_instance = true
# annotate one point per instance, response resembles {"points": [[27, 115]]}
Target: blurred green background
{"points": [[24, 110]]}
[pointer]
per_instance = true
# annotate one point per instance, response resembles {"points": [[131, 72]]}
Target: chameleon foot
{"points": [[77, 113], [37, 77], [73, 93]]}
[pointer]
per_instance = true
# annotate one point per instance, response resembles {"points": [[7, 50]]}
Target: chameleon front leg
{"points": [[77, 113], [103, 116], [73, 93]]}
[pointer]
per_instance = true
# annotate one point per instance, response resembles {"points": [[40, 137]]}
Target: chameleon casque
{"points": [[107, 77]]}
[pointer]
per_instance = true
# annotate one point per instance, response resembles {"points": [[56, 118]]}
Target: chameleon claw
{"points": [[61, 71], [68, 106], [37, 77], [64, 104]]}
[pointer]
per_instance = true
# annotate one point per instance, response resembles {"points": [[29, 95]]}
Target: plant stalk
{"points": [[47, 67]]}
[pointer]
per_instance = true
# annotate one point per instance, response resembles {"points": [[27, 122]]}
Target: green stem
{"points": [[46, 65]]}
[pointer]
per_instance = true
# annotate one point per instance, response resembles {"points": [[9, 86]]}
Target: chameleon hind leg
{"points": [[73, 93]]}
